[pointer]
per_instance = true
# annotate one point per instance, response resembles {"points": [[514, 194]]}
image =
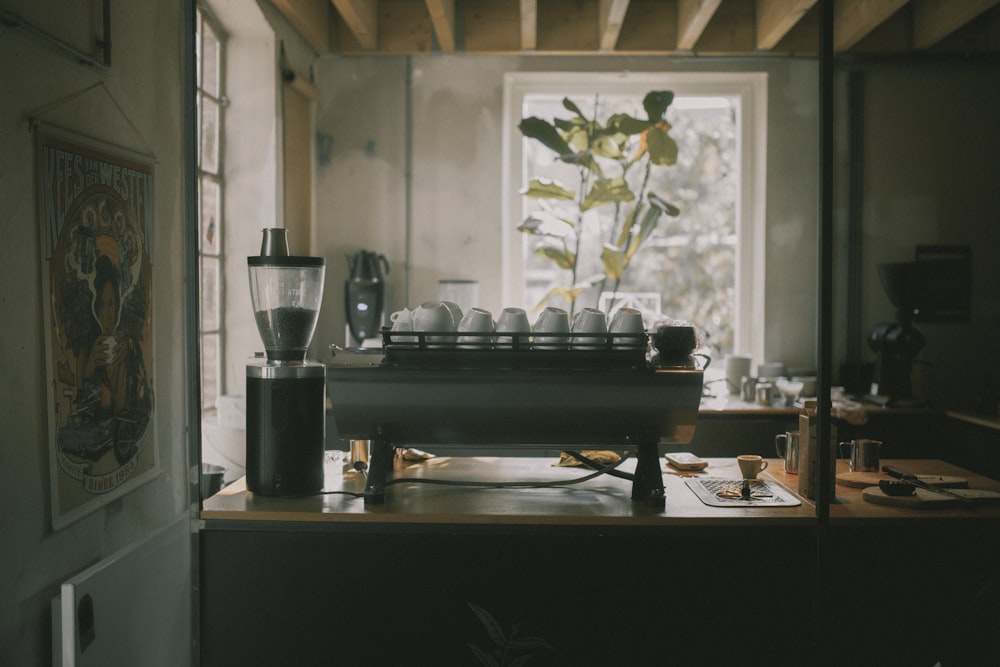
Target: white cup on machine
{"points": [[627, 321], [435, 317], [593, 323], [402, 320], [478, 321], [551, 329], [512, 321]]}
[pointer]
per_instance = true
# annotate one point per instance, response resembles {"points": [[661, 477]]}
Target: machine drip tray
{"points": [[728, 493]]}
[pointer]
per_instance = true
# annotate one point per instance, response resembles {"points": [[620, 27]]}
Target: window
{"points": [[211, 103], [704, 264]]}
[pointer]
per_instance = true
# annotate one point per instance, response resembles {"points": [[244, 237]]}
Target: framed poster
{"points": [[95, 208]]}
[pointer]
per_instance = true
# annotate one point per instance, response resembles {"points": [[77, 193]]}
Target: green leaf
{"points": [[650, 219], [614, 261], [568, 293], [626, 228], [607, 191], [571, 106], [662, 204], [545, 132], [544, 188], [563, 258], [585, 160], [607, 146], [627, 124], [543, 223], [662, 148], [493, 628], [656, 102]]}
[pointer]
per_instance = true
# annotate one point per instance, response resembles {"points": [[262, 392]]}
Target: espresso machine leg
{"points": [[648, 484], [380, 460]]}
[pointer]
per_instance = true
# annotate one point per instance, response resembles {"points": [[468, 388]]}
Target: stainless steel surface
{"points": [[515, 405], [276, 370], [787, 446], [863, 454], [274, 243]]}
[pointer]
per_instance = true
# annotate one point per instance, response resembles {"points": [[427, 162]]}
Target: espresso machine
{"points": [[285, 393]]}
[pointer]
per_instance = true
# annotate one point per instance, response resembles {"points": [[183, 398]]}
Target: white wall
{"points": [[144, 79], [455, 224]]}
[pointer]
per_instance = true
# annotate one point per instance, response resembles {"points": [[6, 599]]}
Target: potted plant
{"points": [[613, 159]]}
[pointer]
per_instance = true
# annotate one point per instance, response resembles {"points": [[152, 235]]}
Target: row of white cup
{"points": [[552, 329]]}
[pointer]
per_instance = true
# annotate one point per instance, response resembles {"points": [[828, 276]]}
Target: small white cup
{"points": [[434, 316], [751, 465], [456, 312], [554, 324], [480, 321], [514, 321], [402, 320], [589, 321], [627, 321]]}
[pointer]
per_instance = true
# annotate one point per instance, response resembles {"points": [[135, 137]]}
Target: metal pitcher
{"points": [[863, 454], [787, 446]]}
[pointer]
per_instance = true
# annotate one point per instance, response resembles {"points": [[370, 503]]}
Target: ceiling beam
{"points": [[310, 18], [529, 24], [611, 14], [443, 17], [853, 20], [692, 17], [776, 17], [361, 17], [933, 20]]}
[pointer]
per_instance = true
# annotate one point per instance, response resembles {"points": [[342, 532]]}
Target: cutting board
{"points": [[862, 480], [924, 499]]}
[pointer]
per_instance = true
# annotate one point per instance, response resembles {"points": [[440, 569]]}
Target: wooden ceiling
{"points": [[643, 27]]}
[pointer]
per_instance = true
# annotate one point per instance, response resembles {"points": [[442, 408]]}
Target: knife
{"points": [[916, 481]]}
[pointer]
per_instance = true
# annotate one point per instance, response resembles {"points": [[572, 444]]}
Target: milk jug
{"points": [[809, 452]]}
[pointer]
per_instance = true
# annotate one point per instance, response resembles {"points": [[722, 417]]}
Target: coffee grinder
{"points": [[286, 394]]}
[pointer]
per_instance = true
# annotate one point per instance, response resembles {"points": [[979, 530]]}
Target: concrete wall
{"points": [[145, 81]]}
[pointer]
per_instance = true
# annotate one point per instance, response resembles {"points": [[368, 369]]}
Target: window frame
{"points": [[749, 87], [211, 338]]}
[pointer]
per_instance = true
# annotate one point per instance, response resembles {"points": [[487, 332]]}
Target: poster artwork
{"points": [[96, 208]]}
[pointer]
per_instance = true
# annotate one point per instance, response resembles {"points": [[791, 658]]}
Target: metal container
{"points": [[748, 389], [863, 454], [787, 446]]}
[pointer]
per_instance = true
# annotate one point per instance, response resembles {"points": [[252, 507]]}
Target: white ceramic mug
{"points": [[594, 324], [553, 324], [402, 320], [434, 316], [627, 321], [514, 321], [751, 465], [456, 312], [737, 368], [479, 321]]}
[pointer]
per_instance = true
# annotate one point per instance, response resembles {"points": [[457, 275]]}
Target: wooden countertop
{"points": [[603, 501]]}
